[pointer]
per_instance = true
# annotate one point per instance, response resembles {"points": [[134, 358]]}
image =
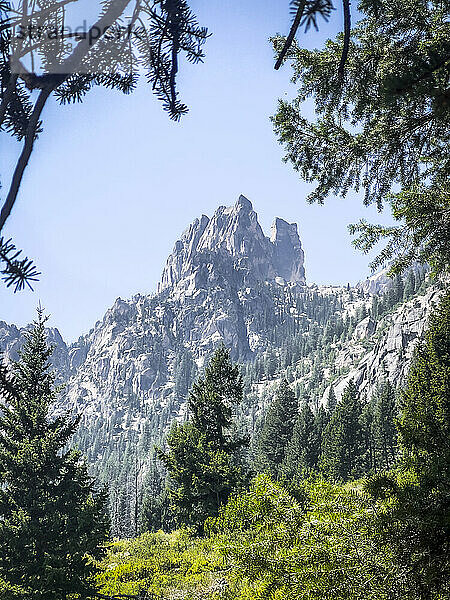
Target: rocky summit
{"points": [[233, 243], [226, 281]]}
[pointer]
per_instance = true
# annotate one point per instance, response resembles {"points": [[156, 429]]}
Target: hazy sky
{"points": [[113, 182]]}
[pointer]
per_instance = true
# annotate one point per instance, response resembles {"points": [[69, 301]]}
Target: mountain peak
{"points": [[233, 241], [244, 204]]}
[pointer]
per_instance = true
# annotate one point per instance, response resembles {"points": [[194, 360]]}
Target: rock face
{"points": [[393, 340], [234, 239], [12, 338]]}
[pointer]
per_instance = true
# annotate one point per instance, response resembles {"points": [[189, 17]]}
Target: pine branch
{"points": [[16, 272]]}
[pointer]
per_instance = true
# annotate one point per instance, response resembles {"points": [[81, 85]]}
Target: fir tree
{"points": [[417, 524], [51, 515], [276, 431], [322, 419], [332, 401], [424, 424], [343, 440], [362, 139], [204, 460], [302, 452], [384, 429]]}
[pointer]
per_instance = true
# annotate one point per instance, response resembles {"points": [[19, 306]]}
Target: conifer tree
{"points": [[276, 431], [332, 401], [302, 452], [417, 525], [369, 444], [384, 428], [322, 419], [204, 459], [425, 402], [424, 444], [51, 515], [343, 441]]}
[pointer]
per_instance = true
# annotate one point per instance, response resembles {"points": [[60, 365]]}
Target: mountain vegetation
{"points": [[51, 513], [258, 438]]}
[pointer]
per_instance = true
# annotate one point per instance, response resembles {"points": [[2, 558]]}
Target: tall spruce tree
{"points": [[417, 523], [343, 446], [424, 424], [384, 427], [276, 431], [51, 515], [332, 401], [302, 452], [204, 459]]}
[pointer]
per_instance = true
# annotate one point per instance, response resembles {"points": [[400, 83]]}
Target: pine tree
{"points": [[425, 402], [322, 419], [418, 523], [302, 452], [343, 441], [384, 429], [332, 401], [51, 515], [204, 460], [367, 423], [276, 431]]}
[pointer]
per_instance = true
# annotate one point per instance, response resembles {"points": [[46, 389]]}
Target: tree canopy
{"points": [[381, 124]]}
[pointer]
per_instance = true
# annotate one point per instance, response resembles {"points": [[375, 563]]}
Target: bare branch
{"points": [[291, 36], [347, 28]]}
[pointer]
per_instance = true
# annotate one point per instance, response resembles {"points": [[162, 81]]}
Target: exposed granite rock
{"points": [[396, 338], [232, 242]]}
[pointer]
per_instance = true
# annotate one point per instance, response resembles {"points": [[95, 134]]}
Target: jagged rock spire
{"points": [[234, 236]]}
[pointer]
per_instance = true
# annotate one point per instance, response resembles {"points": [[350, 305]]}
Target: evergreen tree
{"points": [[204, 460], [384, 428], [276, 431], [425, 402], [51, 516], [302, 452], [418, 522], [367, 423], [343, 441], [322, 419], [395, 82], [332, 401]]}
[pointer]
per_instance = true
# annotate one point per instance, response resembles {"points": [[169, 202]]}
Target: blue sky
{"points": [[113, 182]]}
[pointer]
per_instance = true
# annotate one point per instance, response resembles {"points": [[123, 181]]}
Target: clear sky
{"points": [[113, 182]]}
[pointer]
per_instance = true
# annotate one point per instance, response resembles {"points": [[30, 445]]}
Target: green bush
{"points": [[161, 565], [276, 549]]}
